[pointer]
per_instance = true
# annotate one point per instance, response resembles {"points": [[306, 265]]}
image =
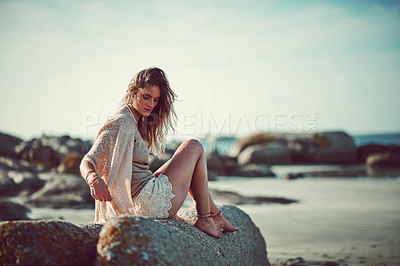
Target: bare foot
{"points": [[222, 223], [208, 226]]}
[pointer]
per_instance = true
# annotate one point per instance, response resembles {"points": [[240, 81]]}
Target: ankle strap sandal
{"points": [[209, 215], [205, 215]]}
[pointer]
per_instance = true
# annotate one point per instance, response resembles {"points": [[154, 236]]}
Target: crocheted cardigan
{"points": [[111, 156]]}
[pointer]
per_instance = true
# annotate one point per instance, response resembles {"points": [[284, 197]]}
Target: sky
{"points": [[238, 67]]}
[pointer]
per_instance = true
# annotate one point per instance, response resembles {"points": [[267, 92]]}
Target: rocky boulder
{"points": [[274, 152], [130, 240], [38, 154], [8, 144], [9, 164], [7, 185], [220, 165], [26, 182], [48, 151], [384, 159], [10, 211], [363, 152], [70, 163], [46, 243], [253, 139], [323, 147], [62, 191]]}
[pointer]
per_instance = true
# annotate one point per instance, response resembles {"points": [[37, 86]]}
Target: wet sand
{"points": [[348, 221]]}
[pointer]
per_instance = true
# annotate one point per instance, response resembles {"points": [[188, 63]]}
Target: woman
{"points": [[117, 168]]}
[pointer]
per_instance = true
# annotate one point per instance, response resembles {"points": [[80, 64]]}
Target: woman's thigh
{"points": [[180, 171]]}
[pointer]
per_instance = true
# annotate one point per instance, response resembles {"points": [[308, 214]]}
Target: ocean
{"points": [[223, 143]]}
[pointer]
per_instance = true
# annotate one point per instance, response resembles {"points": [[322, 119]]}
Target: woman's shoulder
{"points": [[120, 119]]}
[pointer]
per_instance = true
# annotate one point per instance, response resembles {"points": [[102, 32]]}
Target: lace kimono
{"points": [[112, 156]]}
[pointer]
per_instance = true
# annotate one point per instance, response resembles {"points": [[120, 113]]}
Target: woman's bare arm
{"points": [[99, 190]]}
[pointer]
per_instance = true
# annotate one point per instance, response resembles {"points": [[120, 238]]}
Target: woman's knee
{"points": [[193, 145]]}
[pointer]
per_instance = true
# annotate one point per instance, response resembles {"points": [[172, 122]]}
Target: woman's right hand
{"points": [[100, 192]]}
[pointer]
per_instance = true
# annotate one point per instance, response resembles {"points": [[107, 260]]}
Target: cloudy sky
{"points": [[237, 66]]}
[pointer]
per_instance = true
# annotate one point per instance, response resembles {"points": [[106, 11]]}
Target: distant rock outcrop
{"points": [[10, 211], [274, 152], [62, 191], [322, 147], [70, 163], [48, 151], [384, 159], [363, 152], [8, 144]]}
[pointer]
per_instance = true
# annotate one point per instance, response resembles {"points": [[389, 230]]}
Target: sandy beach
{"points": [[349, 221]]}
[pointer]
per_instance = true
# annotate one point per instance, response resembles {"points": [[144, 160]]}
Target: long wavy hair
{"points": [[162, 119]]}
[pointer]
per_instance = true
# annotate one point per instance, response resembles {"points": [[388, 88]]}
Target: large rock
{"points": [[130, 240], [274, 152], [7, 145], [70, 163], [10, 211], [14, 182], [220, 165], [254, 139], [384, 159], [26, 182], [366, 150], [63, 191], [7, 185], [9, 164], [323, 147], [48, 151], [46, 243]]}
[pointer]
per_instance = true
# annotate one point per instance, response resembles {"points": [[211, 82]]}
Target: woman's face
{"points": [[146, 100]]}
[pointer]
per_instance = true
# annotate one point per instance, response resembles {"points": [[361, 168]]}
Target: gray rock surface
{"points": [[48, 151], [10, 211], [130, 240], [253, 139], [274, 152], [7, 185], [136, 240], [62, 191], [26, 182], [9, 164], [7, 145], [70, 164], [366, 150], [323, 147], [46, 243], [384, 159]]}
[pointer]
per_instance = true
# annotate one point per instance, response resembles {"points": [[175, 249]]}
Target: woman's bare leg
{"points": [[186, 170], [219, 220]]}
